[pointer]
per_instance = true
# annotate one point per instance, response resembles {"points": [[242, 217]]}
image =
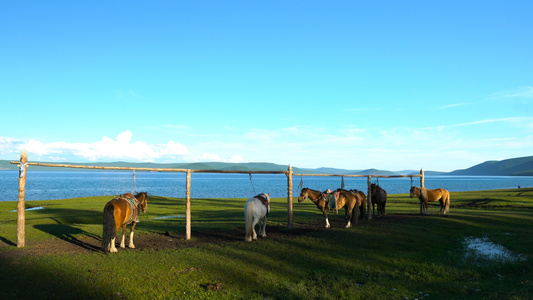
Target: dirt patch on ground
{"points": [[168, 240]]}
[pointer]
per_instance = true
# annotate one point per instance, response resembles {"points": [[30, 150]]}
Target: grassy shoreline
{"points": [[401, 255]]}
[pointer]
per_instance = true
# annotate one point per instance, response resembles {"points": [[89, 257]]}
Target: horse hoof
{"points": [[327, 226], [132, 246], [113, 250]]}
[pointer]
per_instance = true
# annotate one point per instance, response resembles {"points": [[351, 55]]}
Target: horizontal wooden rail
{"points": [[149, 169], [380, 176]]}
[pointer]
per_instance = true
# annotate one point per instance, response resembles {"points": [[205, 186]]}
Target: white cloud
{"points": [[442, 147], [523, 92], [123, 148], [453, 105]]}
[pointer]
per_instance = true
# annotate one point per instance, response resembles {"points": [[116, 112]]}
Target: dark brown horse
{"points": [[379, 197], [120, 212], [345, 199]]}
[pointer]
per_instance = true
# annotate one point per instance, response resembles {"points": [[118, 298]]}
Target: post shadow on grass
{"points": [[68, 233]]}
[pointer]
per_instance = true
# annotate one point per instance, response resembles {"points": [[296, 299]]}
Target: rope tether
{"points": [[134, 184], [252, 183], [301, 184]]}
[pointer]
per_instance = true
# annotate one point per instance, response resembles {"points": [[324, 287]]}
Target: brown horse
{"points": [[362, 204], [425, 196], [379, 197], [120, 212], [345, 199]]}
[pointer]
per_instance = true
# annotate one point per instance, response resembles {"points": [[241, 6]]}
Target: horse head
{"points": [[414, 191], [143, 200], [303, 195]]}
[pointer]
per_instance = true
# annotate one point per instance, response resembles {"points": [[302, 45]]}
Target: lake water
{"points": [[47, 185]]}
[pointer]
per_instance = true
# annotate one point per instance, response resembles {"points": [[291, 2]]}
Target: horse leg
{"points": [[113, 246], [254, 234], [348, 216], [131, 245], [122, 244], [421, 207], [326, 217], [441, 206], [263, 229]]}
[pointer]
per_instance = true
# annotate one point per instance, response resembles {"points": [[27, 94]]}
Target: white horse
{"points": [[256, 209]]}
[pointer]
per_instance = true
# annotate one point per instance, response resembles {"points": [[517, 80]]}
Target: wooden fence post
{"points": [[289, 197], [369, 198], [421, 178], [188, 207], [21, 217]]}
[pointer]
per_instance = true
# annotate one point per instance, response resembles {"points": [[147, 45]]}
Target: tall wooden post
{"points": [[421, 178], [21, 217], [289, 197], [188, 207], [369, 198]]}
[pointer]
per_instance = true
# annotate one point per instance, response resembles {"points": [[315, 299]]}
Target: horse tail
{"points": [[248, 220], [447, 202], [363, 204], [355, 211], [109, 227]]}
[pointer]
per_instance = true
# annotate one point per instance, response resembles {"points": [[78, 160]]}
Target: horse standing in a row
{"points": [[362, 204], [256, 209], [426, 195], [379, 198], [120, 212], [346, 199]]}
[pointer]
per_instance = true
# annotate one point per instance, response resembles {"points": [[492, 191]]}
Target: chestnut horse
{"points": [[345, 199], [426, 195], [379, 197], [120, 212]]}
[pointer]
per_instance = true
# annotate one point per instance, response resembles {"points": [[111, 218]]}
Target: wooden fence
{"points": [[23, 165]]}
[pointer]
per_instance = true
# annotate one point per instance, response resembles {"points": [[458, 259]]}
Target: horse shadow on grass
{"points": [[70, 234]]}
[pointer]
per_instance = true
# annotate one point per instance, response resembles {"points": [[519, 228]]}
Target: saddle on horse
{"points": [[331, 199], [263, 200], [134, 205]]}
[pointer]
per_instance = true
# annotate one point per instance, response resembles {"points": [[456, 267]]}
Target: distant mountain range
{"points": [[522, 166]]}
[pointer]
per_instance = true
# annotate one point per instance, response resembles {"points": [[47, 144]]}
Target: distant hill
{"points": [[522, 166]]}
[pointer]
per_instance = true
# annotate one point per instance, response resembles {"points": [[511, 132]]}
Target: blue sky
{"points": [[439, 85]]}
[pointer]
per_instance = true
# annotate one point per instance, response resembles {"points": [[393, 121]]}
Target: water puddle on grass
{"points": [[31, 208], [487, 249], [170, 217]]}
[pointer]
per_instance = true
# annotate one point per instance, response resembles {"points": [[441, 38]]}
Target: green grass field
{"points": [[402, 255]]}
